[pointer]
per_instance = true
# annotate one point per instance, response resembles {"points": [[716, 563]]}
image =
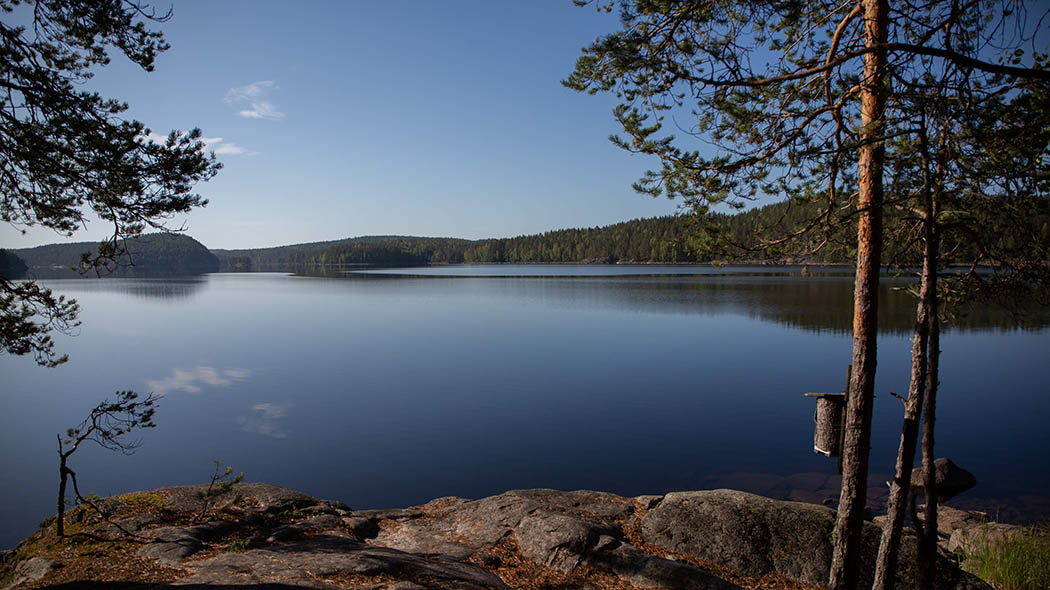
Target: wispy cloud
{"points": [[222, 147], [191, 380], [265, 418], [253, 102], [216, 144]]}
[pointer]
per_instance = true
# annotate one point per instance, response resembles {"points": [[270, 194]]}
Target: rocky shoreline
{"points": [[258, 535]]}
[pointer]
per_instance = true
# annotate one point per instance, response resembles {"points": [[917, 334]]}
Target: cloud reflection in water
{"points": [[191, 380], [265, 418]]}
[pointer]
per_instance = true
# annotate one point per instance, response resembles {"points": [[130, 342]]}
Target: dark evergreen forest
{"points": [[657, 240], [668, 239], [150, 254]]}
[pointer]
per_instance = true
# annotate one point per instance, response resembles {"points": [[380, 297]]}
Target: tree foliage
{"points": [[812, 101], [69, 156], [222, 481], [971, 188], [107, 425]]}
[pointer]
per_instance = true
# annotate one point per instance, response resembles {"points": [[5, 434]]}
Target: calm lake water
{"points": [[387, 389]]}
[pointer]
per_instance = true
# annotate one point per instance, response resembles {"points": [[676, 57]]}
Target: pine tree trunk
{"points": [[897, 503], [849, 521], [61, 518], [927, 558]]}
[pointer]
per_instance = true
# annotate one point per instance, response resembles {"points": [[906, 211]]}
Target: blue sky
{"points": [[341, 119]]}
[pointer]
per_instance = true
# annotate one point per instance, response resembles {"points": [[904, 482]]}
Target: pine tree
{"points": [[69, 155], [798, 101]]}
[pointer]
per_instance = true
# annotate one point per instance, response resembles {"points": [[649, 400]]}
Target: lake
{"points": [[390, 388]]}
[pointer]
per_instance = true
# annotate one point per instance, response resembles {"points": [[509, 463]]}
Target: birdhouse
{"points": [[828, 419]]}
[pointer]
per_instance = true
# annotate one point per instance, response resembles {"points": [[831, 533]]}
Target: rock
{"points": [[952, 480], [30, 570], [754, 536], [951, 519], [329, 507], [171, 544], [307, 563], [649, 501], [565, 531], [483, 523], [266, 497], [630, 563], [317, 524], [559, 530], [362, 528], [557, 540], [137, 522], [967, 540], [542, 538], [395, 514], [211, 530], [745, 533], [459, 530]]}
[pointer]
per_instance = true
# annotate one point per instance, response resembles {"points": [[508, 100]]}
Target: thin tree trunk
{"points": [[897, 503], [60, 522], [849, 521], [927, 558]]}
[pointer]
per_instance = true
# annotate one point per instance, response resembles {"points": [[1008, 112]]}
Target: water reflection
{"points": [[190, 380], [168, 288], [814, 304], [821, 302], [586, 270], [265, 419]]}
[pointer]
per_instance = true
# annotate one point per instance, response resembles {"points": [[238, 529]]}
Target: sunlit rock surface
{"points": [[259, 535]]}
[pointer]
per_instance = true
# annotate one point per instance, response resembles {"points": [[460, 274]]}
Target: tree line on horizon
{"points": [[666, 239], [656, 240]]}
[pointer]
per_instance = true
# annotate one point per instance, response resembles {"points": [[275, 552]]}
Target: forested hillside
{"points": [[667, 239], [658, 240], [158, 253], [365, 251], [11, 266]]}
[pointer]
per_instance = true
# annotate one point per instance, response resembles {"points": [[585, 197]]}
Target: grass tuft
{"points": [[144, 501], [1019, 561]]}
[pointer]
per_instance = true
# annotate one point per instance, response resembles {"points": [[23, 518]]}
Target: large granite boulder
{"points": [[754, 536]]}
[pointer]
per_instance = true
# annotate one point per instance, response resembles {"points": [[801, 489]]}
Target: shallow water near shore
{"points": [[390, 389]]}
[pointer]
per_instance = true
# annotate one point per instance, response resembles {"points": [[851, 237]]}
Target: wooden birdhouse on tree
{"points": [[829, 422]]}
